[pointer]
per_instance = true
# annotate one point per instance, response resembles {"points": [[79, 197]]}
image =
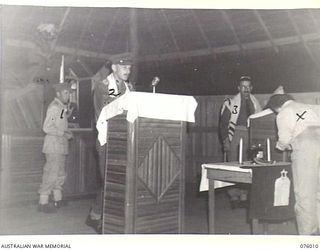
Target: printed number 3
{"points": [[235, 111]]}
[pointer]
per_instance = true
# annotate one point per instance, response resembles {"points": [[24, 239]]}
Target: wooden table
{"points": [[229, 172]]}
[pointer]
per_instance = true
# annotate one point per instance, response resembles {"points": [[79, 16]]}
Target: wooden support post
{"points": [[134, 43]]}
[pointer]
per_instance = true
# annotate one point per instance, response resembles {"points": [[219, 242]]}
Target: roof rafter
{"points": [[203, 33], [301, 38], [60, 27], [151, 34], [230, 24], [314, 20], [266, 30], [107, 33], [59, 49], [85, 67], [234, 48], [169, 56], [84, 29], [171, 32]]}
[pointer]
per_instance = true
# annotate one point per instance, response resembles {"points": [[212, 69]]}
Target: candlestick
{"points": [[62, 70], [268, 150], [240, 150]]}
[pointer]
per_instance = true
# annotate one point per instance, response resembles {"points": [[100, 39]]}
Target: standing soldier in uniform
{"points": [[233, 126], [105, 91], [55, 148], [299, 130]]}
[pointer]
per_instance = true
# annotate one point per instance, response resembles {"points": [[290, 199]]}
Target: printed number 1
{"points": [[61, 116]]}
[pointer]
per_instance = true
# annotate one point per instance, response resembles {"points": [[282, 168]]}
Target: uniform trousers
{"points": [[306, 177], [53, 178], [97, 206]]}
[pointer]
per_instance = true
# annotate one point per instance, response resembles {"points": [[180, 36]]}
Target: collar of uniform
{"points": [[112, 78], [59, 101], [285, 105]]}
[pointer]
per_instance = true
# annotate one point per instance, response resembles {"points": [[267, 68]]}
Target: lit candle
{"points": [[240, 150], [268, 150]]}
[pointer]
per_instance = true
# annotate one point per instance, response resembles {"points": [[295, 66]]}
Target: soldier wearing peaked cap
{"points": [[55, 148], [105, 90]]}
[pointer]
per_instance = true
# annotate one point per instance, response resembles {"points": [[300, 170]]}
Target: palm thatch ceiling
{"points": [[158, 37]]}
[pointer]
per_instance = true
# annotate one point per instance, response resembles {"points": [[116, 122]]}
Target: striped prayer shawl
{"points": [[234, 106]]}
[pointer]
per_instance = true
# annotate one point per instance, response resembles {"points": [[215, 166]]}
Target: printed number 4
{"points": [[235, 111]]}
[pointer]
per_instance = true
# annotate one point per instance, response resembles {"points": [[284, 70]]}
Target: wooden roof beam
{"points": [[107, 33], [84, 29], [151, 34], [60, 27], [301, 38], [59, 49], [203, 33], [171, 33], [169, 56], [233, 48], [314, 20], [230, 24], [85, 67], [266, 30]]}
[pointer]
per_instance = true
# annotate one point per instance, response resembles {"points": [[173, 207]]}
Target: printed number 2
{"points": [[235, 111], [111, 92]]}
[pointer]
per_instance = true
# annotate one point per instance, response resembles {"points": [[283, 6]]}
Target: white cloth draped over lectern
{"points": [[148, 105]]}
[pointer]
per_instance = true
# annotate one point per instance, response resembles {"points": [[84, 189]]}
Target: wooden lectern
{"points": [[145, 169]]}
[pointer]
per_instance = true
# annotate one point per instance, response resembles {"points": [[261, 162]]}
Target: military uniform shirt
{"points": [[55, 124]]}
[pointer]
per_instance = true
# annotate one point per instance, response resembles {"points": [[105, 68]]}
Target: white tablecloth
{"points": [[204, 183], [149, 105]]}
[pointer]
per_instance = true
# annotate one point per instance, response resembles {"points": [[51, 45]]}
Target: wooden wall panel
{"points": [[82, 171], [22, 167]]}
